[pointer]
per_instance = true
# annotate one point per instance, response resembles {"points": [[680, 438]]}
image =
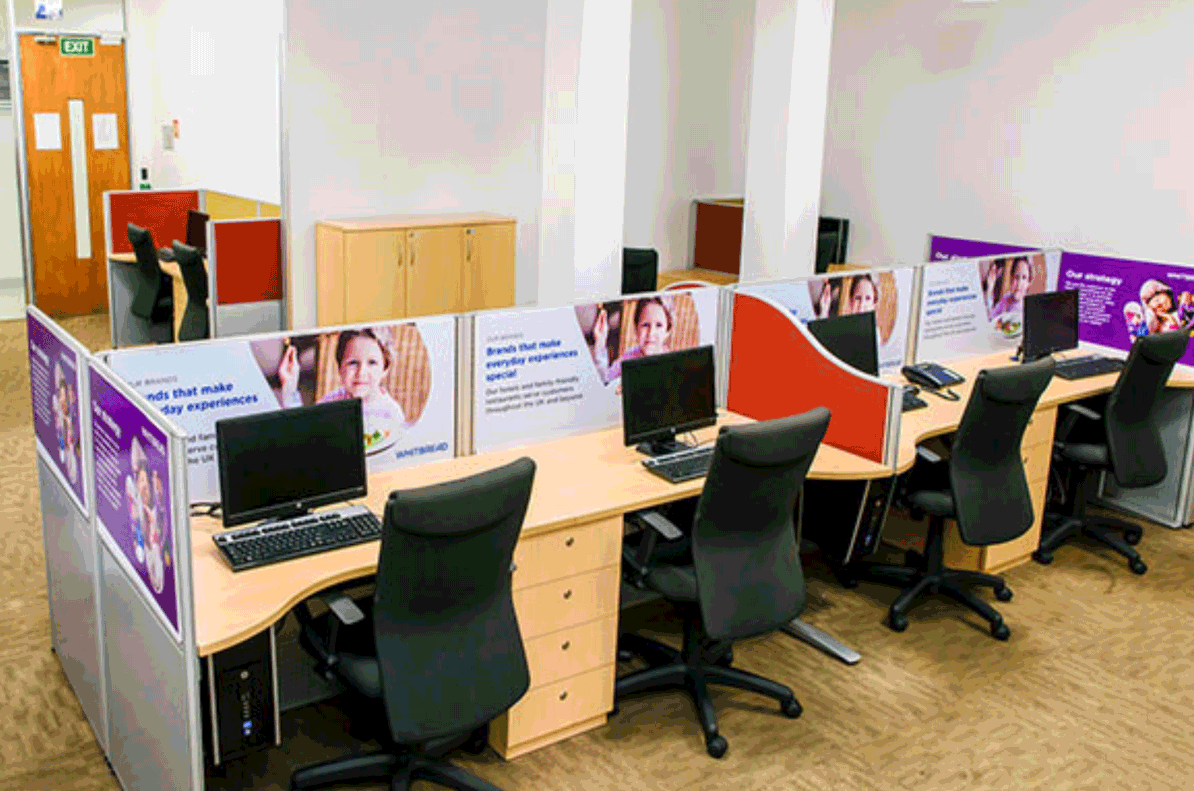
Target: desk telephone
{"points": [[933, 377]]}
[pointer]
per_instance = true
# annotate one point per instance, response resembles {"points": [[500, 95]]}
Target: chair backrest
{"points": [[149, 278], [1133, 437], [448, 645], [749, 578], [640, 270], [986, 473], [194, 273]]}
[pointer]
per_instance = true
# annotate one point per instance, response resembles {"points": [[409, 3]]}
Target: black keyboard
{"points": [[1090, 365], [681, 466], [270, 542], [912, 400]]}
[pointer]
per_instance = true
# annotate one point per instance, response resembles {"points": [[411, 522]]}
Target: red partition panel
{"points": [[163, 212], [248, 258], [717, 236], [775, 371]]}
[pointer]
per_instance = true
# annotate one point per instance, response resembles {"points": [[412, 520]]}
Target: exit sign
{"points": [[76, 47]]}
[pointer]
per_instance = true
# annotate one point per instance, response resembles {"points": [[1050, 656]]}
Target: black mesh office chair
{"points": [[640, 270], [194, 324], [152, 295], [744, 577], [983, 487], [449, 655], [1127, 443]]}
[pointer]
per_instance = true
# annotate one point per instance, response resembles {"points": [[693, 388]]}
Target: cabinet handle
{"points": [[567, 644], [468, 244], [569, 541], [568, 593], [564, 695]]}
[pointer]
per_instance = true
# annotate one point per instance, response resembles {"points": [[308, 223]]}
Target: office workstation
{"points": [[546, 384]]}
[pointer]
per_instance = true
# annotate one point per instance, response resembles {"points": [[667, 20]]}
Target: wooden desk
{"points": [[176, 283], [566, 586], [665, 279], [943, 417]]}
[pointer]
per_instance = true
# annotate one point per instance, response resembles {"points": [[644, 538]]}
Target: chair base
{"points": [[1116, 534], [400, 770], [691, 670]]}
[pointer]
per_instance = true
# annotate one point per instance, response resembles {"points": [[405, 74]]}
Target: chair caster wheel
{"points": [[898, 623], [1132, 536], [1044, 558], [1003, 593], [625, 656], [791, 708], [1137, 566], [716, 746], [1000, 631]]}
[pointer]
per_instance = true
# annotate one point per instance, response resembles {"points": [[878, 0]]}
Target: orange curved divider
{"points": [[776, 371]]}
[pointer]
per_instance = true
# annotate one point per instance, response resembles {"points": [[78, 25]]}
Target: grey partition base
{"points": [[1170, 502]]}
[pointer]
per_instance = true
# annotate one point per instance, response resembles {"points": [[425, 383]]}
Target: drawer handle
{"points": [[564, 695], [568, 593], [569, 541], [567, 644]]}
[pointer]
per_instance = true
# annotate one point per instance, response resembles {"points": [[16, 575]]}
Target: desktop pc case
{"points": [[240, 699]]}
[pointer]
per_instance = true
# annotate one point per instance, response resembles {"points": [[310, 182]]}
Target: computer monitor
{"points": [[1050, 323], [665, 394], [197, 230], [851, 339], [285, 462]]}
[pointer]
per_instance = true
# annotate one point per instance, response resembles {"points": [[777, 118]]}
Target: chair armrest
{"points": [[653, 525], [1074, 413], [344, 608], [928, 455]]}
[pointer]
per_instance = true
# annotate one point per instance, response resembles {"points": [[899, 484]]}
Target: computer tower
{"points": [[240, 699]]}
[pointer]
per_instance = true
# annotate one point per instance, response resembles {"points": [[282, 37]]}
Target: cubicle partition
{"points": [[244, 265], [945, 248]]}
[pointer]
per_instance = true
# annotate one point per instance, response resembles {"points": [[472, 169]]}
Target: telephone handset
{"points": [[934, 378]]}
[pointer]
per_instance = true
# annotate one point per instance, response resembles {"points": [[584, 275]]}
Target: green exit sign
{"points": [[76, 47]]}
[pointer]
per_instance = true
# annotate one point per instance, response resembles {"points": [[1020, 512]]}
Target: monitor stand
{"points": [[661, 447]]}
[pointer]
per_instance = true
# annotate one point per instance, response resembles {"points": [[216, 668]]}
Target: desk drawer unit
{"points": [[566, 595]]}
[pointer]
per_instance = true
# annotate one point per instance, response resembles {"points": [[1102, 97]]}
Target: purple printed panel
{"points": [[132, 493], [1121, 300], [54, 383], [943, 248]]}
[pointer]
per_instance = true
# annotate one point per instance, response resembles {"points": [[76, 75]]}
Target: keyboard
{"points": [[912, 400], [1089, 365], [271, 542], [682, 465]]}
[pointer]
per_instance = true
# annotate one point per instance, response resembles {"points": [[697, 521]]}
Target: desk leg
{"points": [[818, 639], [180, 303]]}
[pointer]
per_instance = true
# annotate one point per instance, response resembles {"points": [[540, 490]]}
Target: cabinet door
{"points": [[374, 276], [489, 266], [435, 258], [329, 276]]}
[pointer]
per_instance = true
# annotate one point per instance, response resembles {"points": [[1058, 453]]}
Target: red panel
{"points": [[717, 240], [248, 261], [775, 371], [163, 213]]}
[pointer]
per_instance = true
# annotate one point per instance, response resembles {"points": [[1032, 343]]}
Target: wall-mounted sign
{"points": [[48, 9], [73, 47]]}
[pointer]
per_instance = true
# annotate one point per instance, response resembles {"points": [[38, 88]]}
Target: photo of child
{"points": [[64, 403], [1159, 306], [387, 367], [147, 518], [1134, 319], [657, 324], [1005, 282], [865, 292]]}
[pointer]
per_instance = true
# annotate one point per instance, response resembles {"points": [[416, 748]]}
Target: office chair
{"points": [[640, 270], [983, 487], [1130, 448], [744, 577], [194, 324], [152, 296], [449, 655]]}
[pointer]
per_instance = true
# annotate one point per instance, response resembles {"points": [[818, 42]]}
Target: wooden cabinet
{"points": [[403, 266], [566, 597]]}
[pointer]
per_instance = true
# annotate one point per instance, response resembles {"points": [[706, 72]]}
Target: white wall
{"points": [[690, 70], [84, 16], [11, 267], [1017, 121], [404, 107], [214, 67]]}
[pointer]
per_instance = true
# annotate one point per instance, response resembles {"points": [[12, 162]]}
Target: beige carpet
{"points": [[1091, 692]]}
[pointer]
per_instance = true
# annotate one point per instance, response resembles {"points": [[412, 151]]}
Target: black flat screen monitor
{"points": [[197, 230], [665, 394], [283, 463], [851, 339], [1050, 323]]}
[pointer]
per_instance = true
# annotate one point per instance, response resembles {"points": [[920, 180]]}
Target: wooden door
{"points": [[76, 147], [489, 266], [434, 260], [374, 280]]}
